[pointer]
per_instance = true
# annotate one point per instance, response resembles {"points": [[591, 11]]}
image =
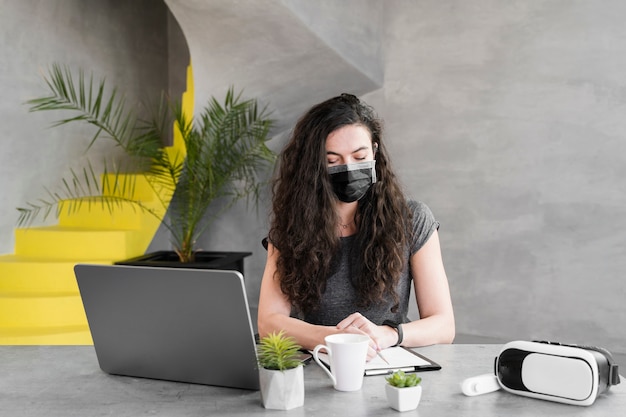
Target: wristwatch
{"points": [[397, 327]]}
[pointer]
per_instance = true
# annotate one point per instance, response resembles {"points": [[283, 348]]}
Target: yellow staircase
{"points": [[39, 298]]}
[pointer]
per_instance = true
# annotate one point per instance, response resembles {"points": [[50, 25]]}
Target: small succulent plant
{"points": [[401, 380], [277, 351]]}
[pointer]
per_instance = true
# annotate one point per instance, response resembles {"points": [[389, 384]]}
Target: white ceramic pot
{"points": [[282, 390], [403, 399]]}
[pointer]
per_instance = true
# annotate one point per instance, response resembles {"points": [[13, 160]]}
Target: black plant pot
{"points": [[204, 260]]}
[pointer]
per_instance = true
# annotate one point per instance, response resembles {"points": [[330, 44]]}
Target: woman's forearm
{"points": [[436, 329], [306, 335]]}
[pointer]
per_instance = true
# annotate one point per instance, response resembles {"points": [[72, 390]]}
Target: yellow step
{"points": [[138, 186], [41, 311], [77, 244], [125, 216], [20, 274], [40, 302], [64, 335]]}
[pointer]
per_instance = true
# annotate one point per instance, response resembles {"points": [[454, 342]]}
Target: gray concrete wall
{"points": [[504, 117], [507, 119]]}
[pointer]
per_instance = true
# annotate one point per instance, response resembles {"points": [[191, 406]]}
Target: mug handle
{"points": [[319, 362]]}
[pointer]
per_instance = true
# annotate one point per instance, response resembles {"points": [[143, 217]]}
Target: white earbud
{"points": [[481, 384]]}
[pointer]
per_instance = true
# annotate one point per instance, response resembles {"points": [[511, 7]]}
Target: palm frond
{"points": [[84, 188], [106, 112]]}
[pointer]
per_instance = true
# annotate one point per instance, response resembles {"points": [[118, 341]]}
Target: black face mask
{"points": [[351, 182]]}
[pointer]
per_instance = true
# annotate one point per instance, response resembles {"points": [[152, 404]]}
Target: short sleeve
{"points": [[424, 224]]}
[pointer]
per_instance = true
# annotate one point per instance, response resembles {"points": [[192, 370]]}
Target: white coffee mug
{"points": [[347, 354]]}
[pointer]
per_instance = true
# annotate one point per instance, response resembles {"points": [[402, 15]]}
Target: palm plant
{"points": [[224, 156]]}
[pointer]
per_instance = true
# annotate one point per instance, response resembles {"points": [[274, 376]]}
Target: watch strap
{"points": [[397, 327]]}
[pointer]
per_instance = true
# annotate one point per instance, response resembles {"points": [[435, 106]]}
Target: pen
{"points": [[380, 354]]}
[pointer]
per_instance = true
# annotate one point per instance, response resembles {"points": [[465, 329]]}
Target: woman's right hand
{"points": [[381, 337]]}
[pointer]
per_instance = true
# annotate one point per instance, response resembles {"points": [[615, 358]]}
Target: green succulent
{"points": [[401, 380], [277, 351]]}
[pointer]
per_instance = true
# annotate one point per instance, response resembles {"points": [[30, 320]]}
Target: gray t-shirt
{"points": [[340, 300]]}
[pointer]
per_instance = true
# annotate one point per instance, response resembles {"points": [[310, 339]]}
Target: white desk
{"points": [[65, 381]]}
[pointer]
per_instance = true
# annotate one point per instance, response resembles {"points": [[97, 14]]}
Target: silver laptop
{"points": [[177, 324]]}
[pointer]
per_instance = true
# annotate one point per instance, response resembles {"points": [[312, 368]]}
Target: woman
{"points": [[344, 242]]}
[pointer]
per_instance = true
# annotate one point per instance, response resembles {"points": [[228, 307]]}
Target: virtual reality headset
{"points": [[569, 374]]}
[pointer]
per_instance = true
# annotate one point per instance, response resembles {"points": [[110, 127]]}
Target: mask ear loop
{"points": [[375, 148]]}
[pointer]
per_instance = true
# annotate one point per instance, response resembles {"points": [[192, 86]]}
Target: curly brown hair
{"points": [[304, 220]]}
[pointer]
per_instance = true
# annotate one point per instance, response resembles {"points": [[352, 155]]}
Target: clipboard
{"points": [[400, 359]]}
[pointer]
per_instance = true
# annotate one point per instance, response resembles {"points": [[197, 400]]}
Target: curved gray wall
{"points": [[126, 42]]}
